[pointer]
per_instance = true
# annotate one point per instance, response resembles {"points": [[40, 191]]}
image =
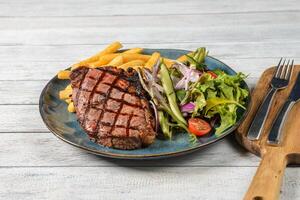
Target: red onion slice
{"points": [[187, 108]]}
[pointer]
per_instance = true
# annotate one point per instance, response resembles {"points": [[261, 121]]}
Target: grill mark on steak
{"points": [[118, 113], [121, 100], [112, 107], [80, 85], [128, 124], [118, 126], [129, 120], [104, 106], [92, 95]]}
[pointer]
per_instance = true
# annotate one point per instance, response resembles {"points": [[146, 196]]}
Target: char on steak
{"points": [[112, 107]]}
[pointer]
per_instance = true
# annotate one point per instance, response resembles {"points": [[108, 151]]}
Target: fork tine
{"points": [[284, 70], [290, 71], [278, 68]]}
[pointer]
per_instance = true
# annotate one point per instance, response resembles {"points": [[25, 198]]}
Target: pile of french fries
{"points": [[111, 56]]}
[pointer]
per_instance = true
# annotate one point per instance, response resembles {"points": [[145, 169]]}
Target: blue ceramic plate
{"points": [[64, 125]]}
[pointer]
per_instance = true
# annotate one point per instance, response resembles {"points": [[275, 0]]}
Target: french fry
{"points": [[68, 100], [69, 87], [137, 66], [65, 94], [65, 74], [168, 62], [116, 61], [104, 60], [71, 107], [183, 57], [132, 64], [127, 57], [134, 56], [152, 61], [134, 50], [113, 47]]}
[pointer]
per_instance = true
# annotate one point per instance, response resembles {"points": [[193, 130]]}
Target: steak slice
{"points": [[112, 107]]}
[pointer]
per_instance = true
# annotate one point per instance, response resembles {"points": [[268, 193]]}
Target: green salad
{"points": [[190, 97]]}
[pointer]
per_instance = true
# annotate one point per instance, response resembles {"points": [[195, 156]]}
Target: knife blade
{"points": [[277, 127]]}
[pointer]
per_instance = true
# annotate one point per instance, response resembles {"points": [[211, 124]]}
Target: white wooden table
{"points": [[38, 38]]}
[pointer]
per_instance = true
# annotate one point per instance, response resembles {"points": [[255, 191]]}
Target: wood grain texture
{"points": [[57, 8], [122, 182], [13, 121], [184, 183], [268, 178], [75, 52], [45, 150], [21, 92], [197, 34], [183, 20], [38, 38], [151, 29]]}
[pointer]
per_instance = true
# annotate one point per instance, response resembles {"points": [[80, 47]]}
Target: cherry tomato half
{"points": [[198, 126], [213, 75]]}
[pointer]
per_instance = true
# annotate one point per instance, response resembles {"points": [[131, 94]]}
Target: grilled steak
{"points": [[112, 108]]}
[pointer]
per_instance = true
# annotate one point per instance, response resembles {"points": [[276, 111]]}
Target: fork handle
{"points": [[258, 122]]}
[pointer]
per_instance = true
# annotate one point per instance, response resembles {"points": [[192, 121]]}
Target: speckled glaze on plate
{"points": [[64, 125]]}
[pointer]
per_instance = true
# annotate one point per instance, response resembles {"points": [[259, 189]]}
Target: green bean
{"points": [[202, 55], [170, 93], [197, 54], [191, 60], [164, 125]]}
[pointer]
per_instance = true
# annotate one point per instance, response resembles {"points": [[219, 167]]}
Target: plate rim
{"points": [[147, 156]]}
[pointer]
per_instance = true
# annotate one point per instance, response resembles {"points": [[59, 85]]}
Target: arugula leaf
{"points": [[228, 117], [199, 104], [210, 103], [180, 94]]}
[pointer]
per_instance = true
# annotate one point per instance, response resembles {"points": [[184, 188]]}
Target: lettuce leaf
{"points": [[222, 96], [200, 103], [228, 117]]}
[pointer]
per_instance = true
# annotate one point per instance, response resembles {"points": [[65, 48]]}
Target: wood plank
{"points": [[179, 20], [21, 92], [136, 7], [74, 53], [21, 118], [44, 149], [135, 183], [259, 33]]}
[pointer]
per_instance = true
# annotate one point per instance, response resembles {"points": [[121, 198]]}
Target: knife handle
{"points": [[276, 130], [258, 122], [267, 181]]}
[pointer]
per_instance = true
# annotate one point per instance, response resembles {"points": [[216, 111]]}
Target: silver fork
{"points": [[279, 81]]}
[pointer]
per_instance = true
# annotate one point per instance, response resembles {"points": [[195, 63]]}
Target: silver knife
{"points": [[274, 137]]}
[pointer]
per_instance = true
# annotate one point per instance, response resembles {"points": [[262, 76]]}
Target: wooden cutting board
{"points": [[268, 178]]}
